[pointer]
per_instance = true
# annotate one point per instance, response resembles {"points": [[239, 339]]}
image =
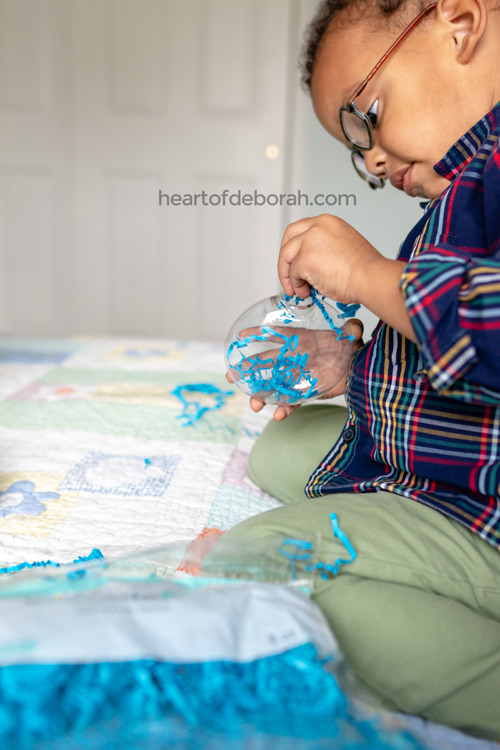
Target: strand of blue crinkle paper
{"points": [[299, 550], [263, 375], [287, 374], [96, 554], [346, 311], [192, 411]]}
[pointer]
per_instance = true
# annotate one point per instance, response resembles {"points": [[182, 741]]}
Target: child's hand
{"points": [[326, 253], [282, 411]]}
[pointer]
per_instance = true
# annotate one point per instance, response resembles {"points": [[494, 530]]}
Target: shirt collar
{"points": [[468, 145]]}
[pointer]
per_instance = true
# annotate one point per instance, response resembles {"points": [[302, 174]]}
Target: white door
{"points": [[105, 104]]}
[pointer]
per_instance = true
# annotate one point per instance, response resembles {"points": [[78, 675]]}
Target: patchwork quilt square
{"points": [[114, 474]]}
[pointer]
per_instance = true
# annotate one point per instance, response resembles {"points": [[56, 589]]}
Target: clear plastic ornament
{"points": [[288, 350]]}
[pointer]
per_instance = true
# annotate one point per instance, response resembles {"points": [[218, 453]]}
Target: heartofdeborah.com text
{"points": [[255, 198]]}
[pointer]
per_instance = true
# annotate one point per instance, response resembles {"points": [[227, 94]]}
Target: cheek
{"points": [[423, 116], [412, 136]]}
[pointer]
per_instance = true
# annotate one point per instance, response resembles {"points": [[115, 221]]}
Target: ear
{"points": [[467, 21]]}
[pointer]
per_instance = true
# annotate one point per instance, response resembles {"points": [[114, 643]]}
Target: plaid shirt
{"points": [[424, 421]]}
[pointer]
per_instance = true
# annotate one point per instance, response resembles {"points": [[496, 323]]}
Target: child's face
{"points": [[419, 95]]}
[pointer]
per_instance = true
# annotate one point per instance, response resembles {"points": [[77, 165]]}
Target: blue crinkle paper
{"points": [[285, 701], [289, 700]]}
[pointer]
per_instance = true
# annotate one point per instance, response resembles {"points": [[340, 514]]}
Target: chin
{"points": [[426, 194], [435, 190]]}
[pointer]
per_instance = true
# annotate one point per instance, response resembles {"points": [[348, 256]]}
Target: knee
{"points": [[252, 547], [416, 651]]}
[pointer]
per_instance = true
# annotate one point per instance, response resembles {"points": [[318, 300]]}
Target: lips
{"points": [[402, 180]]}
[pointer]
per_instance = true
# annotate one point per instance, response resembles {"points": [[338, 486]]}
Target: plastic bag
{"points": [[171, 648]]}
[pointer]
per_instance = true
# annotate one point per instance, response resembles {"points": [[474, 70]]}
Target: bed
{"points": [[98, 452], [113, 446]]}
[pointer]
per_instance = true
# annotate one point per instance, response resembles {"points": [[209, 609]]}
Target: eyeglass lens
{"points": [[359, 165], [356, 129]]}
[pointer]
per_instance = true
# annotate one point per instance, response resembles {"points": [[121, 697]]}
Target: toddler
{"points": [[412, 467]]}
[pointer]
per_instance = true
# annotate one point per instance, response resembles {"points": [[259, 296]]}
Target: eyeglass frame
{"points": [[368, 177], [351, 108]]}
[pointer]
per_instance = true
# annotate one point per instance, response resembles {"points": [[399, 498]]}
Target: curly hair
{"points": [[328, 9]]}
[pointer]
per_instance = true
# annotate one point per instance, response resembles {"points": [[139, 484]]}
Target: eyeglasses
{"points": [[356, 125]]}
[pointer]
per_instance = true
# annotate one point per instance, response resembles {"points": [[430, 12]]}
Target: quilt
{"points": [[122, 445], [119, 444]]}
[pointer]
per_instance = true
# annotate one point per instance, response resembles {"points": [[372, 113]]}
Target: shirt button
{"points": [[349, 435]]}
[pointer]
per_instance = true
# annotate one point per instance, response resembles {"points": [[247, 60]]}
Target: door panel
{"points": [[110, 103]]}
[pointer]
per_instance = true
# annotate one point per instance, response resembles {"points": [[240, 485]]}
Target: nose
{"points": [[375, 161]]}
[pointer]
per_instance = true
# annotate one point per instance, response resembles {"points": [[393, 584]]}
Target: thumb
{"points": [[356, 328]]}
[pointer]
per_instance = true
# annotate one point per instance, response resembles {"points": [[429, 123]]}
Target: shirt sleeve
{"points": [[453, 299]]}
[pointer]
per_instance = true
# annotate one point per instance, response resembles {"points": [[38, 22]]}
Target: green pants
{"points": [[417, 614]]}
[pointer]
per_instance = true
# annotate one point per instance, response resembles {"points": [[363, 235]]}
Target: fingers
{"points": [[291, 282], [298, 227], [281, 412], [256, 404], [290, 246], [356, 328], [274, 334]]}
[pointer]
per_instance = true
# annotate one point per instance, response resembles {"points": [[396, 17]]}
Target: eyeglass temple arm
{"points": [[370, 75]]}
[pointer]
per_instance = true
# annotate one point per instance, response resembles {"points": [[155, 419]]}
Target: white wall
{"points": [[105, 103], [102, 102]]}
